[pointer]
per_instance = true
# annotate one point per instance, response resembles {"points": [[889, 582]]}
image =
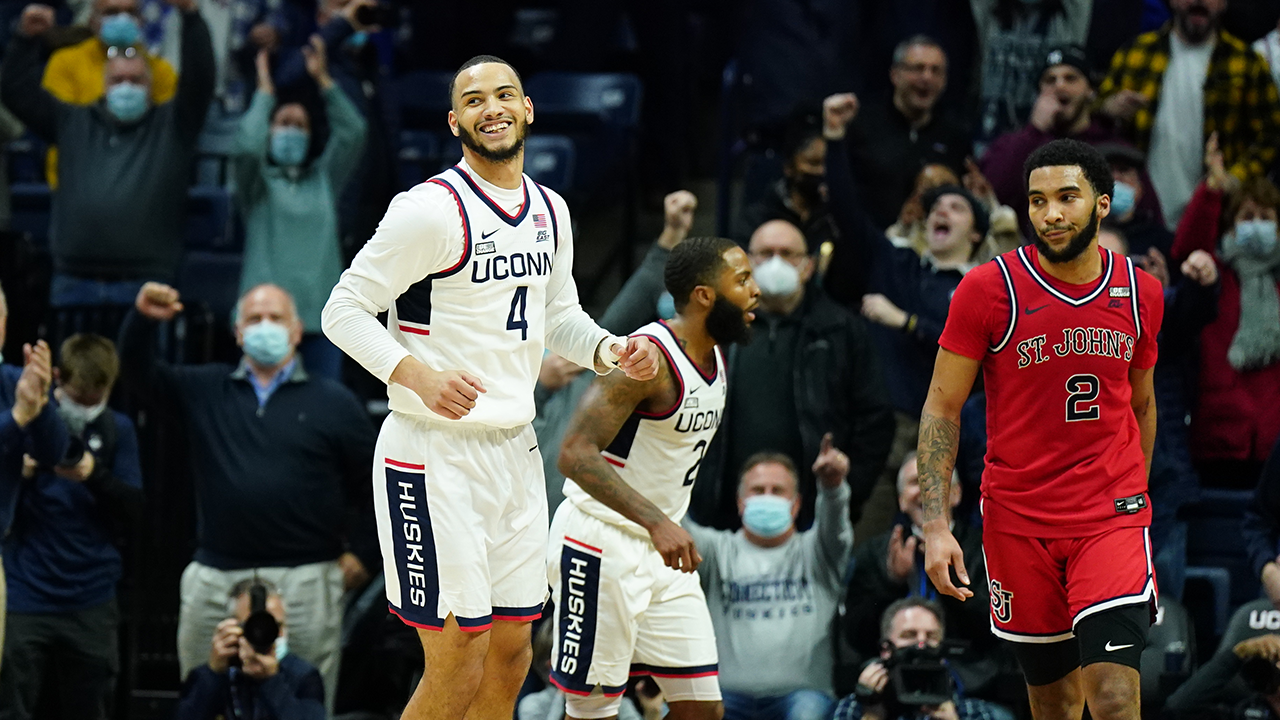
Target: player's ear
{"points": [[704, 295], [1104, 206], [453, 123], [528, 110]]}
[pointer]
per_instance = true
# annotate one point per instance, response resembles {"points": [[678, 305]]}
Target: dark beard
{"points": [[500, 156], [1193, 36], [726, 323], [1078, 244]]}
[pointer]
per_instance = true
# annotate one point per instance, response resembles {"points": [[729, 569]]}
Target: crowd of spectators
{"points": [[872, 156]]}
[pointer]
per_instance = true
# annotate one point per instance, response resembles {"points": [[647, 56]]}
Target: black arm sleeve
{"points": [[195, 85]]}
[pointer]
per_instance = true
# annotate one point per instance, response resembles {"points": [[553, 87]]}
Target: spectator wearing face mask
{"points": [[808, 369], [280, 461], [1236, 415], [61, 560], [289, 196], [241, 681], [800, 195], [773, 590], [1134, 209], [119, 215]]}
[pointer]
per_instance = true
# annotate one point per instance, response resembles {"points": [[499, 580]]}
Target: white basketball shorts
{"points": [[462, 522], [620, 612]]}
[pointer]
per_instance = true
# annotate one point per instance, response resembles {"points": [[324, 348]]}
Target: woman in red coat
{"points": [[1236, 417]]}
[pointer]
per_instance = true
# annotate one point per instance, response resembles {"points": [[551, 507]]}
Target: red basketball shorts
{"points": [[1042, 587]]}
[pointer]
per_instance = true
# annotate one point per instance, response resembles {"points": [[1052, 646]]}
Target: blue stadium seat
{"points": [[212, 278], [549, 160], [419, 157], [27, 159], [423, 99], [586, 99], [210, 224], [1215, 554], [31, 206]]}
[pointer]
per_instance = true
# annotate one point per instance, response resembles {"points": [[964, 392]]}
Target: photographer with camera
{"points": [[912, 678], [251, 674]]}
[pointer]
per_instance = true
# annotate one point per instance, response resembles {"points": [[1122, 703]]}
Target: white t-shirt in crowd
{"points": [[1175, 158]]}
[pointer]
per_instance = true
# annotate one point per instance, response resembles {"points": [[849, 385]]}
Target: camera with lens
{"points": [[384, 16], [918, 677], [261, 628]]}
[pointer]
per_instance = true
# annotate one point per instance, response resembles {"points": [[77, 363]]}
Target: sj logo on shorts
{"points": [[1001, 602]]}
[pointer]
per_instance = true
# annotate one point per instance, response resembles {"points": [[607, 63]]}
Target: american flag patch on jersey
{"points": [[539, 220]]}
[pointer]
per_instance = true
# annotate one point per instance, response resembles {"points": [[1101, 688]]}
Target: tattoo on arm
{"points": [[936, 457], [606, 406]]}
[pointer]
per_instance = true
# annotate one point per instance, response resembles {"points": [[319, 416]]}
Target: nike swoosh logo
{"points": [[1112, 648], [485, 235], [1033, 311]]}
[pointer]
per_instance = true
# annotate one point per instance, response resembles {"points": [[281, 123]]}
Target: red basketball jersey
{"points": [[1064, 456]]}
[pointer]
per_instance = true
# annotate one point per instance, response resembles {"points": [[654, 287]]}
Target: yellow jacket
{"points": [[75, 73]]}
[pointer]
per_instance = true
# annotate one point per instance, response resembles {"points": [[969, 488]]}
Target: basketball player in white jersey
{"points": [[474, 269], [621, 568]]}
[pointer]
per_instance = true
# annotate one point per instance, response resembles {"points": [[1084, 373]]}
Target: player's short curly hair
{"points": [[696, 261], [480, 60], [1073, 152]]}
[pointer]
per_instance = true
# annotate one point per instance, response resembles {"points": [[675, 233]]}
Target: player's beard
{"points": [[727, 324], [1077, 245], [499, 155]]}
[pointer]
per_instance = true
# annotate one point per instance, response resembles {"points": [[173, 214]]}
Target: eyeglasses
{"points": [[116, 51], [791, 256]]}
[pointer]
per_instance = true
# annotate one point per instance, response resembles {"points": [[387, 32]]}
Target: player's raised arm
{"points": [[604, 408], [953, 376]]}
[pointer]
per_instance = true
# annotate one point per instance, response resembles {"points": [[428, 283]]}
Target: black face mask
{"points": [[1079, 242], [727, 324], [808, 185]]}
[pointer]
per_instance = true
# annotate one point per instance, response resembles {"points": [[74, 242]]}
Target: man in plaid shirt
{"points": [[909, 621], [1171, 88]]}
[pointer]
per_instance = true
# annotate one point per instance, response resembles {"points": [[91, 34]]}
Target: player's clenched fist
{"points": [[451, 393], [675, 546], [158, 301], [639, 359]]}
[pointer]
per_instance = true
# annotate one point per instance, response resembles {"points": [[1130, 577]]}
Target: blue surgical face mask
{"points": [[119, 30], [282, 646], [127, 102], [267, 343], [767, 515], [1123, 199], [666, 306], [1257, 237], [777, 277], [289, 145], [358, 39]]}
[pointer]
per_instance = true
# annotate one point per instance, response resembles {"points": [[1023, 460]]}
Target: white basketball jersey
{"points": [[486, 313], [658, 454]]}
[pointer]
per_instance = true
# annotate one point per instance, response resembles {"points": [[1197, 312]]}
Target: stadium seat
{"points": [[27, 159], [31, 205], [1170, 654], [549, 160], [210, 225], [585, 100], [423, 99], [419, 157], [1216, 556], [212, 278]]}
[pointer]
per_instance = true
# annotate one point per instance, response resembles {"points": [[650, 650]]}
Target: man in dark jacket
{"points": [[61, 561], [29, 425], [281, 463], [241, 681], [123, 164], [808, 370]]}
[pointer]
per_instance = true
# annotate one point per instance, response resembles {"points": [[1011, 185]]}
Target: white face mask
{"points": [[282, 645], [76, 416], [777, 277]]}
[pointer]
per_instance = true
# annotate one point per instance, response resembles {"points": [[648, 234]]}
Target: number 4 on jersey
{"points": [[515, 320]]}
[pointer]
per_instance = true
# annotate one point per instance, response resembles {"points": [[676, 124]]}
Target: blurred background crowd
{"points": [[185, 499]]}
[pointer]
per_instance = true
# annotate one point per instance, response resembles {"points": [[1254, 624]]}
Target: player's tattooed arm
{"points": [[608, 403], [1143, 402], [936, 457], [953, 377]]}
